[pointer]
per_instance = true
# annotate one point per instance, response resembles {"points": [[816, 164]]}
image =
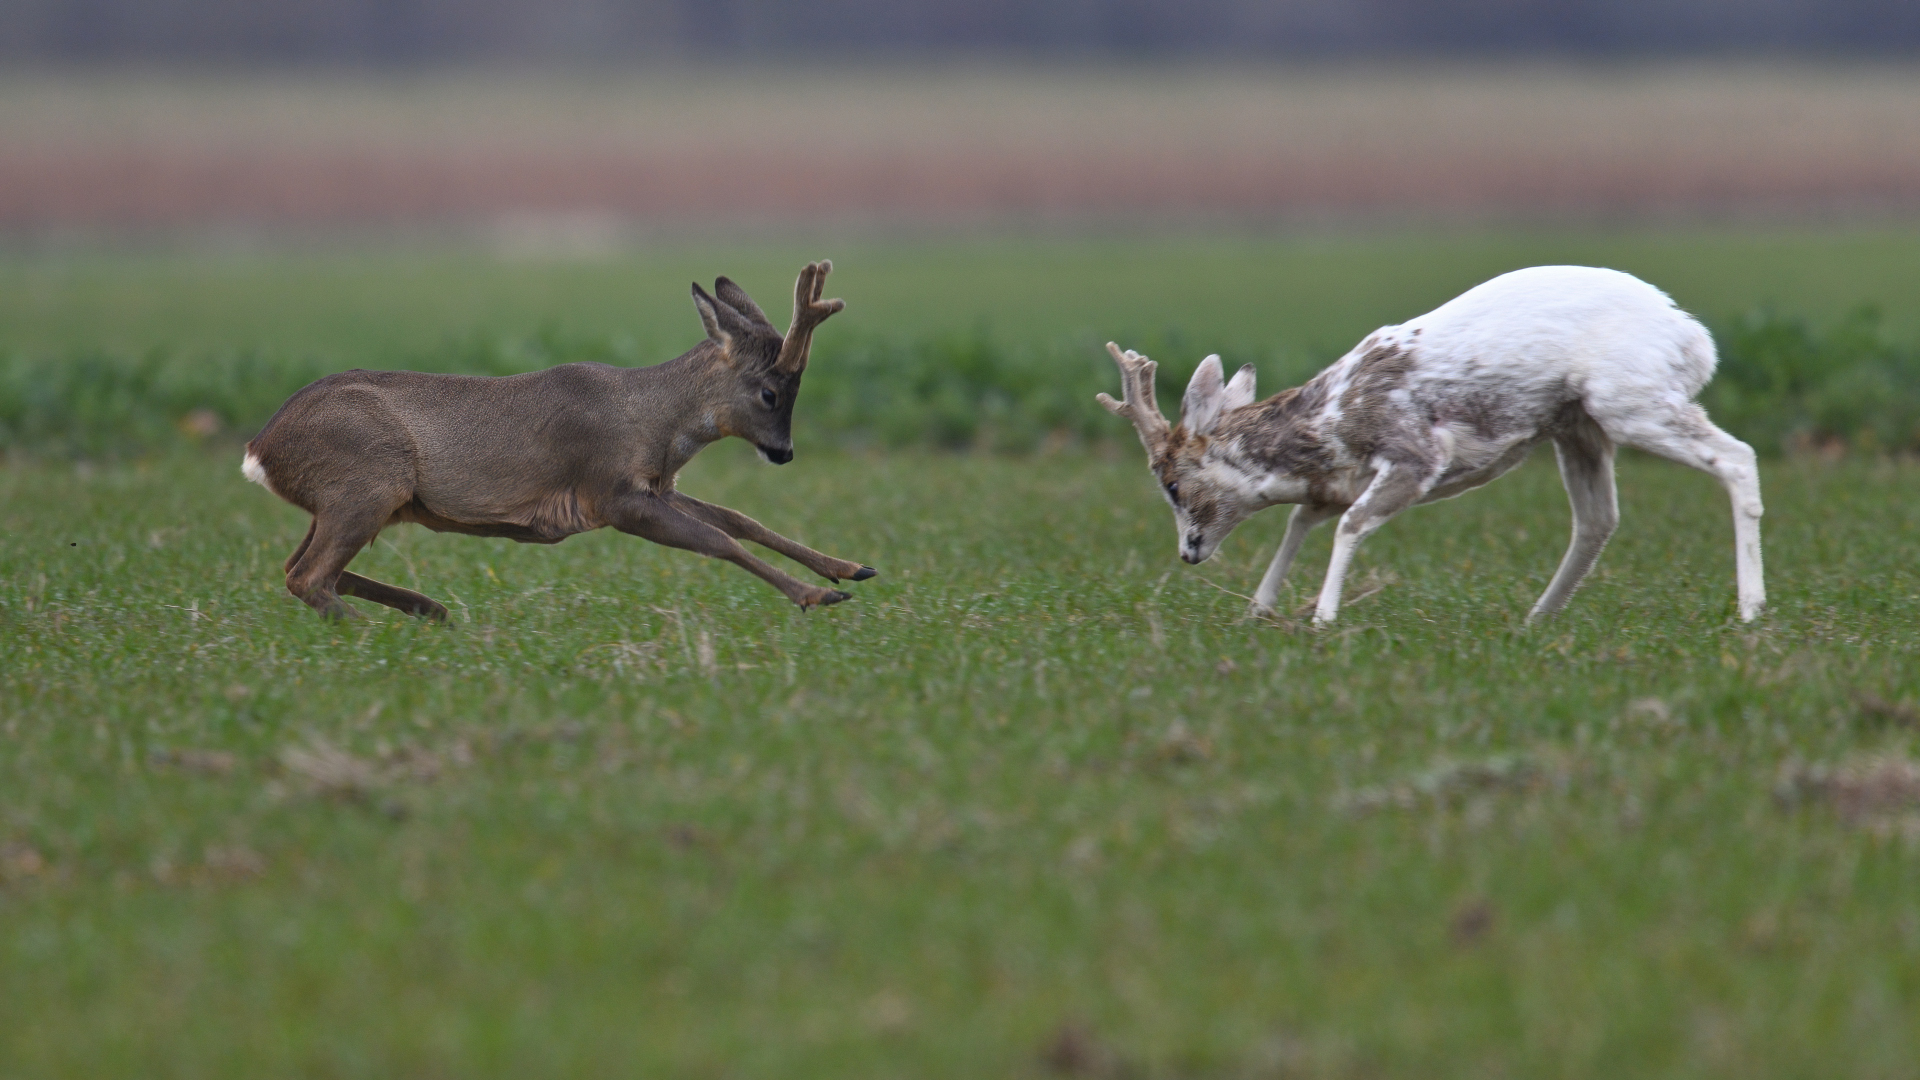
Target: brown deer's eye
{"points": [[1173, 491], [769, 398]]}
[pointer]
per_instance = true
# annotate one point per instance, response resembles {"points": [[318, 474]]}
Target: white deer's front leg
{"points": [[1299, 523], [1328, 607], [1395, 487]]}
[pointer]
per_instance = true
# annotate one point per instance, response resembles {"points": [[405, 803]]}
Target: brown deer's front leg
{"points": [[654, 517], [741, 527]]}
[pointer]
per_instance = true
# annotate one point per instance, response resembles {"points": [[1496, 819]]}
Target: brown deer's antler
{"points": [[1136, 383], [809, 311]]}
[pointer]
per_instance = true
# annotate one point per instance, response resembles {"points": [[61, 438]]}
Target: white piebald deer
{"points": [[1591, 359], [541, 456]]}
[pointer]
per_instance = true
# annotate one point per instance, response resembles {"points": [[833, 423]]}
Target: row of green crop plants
{"points": [[1786, 385]]}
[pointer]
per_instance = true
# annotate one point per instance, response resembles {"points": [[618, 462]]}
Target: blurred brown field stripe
{"points": [[111, 187], [957, 145]]}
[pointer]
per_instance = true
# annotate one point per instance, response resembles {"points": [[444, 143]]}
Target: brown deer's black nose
{"points": [[776, 455]]}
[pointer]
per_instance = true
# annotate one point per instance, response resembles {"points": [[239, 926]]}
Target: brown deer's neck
{"points": [[671, 410]]}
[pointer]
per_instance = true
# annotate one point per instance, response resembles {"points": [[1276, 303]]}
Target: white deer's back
{"points": [[1589, 330], [1504, 356]]}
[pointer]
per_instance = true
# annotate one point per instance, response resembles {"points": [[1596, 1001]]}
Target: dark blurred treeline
{"points": [[410, 31]]}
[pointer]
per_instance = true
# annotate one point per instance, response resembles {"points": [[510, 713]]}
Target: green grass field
{"points": [[1266, 294], [1039, 801]]}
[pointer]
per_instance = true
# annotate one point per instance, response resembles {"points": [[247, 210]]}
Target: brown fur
{"points": [[1178, 456], [1367, 420], [1273, 433], [538, 457]]}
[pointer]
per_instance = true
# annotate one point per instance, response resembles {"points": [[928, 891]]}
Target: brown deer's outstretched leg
{"points": [[393, 596], [741, 527], [653, 517]]}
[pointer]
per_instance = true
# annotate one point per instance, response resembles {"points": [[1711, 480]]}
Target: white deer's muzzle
{"points": [[1194, 549]]}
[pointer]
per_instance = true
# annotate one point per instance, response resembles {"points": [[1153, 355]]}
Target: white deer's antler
{"points": [[1136, 383]]}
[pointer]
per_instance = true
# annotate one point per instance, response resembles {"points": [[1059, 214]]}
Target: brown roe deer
{"points": [[538, 457]]}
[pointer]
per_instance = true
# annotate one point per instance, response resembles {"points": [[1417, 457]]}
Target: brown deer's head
{"points": [[760, 368]]}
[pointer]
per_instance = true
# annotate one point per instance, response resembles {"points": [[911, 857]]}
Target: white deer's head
{"points": [[1209, 497]]}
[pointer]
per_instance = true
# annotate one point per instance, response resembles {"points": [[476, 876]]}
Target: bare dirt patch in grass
{"points": [[1879, 792]]}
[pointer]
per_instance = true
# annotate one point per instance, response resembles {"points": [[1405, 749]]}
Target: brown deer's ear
{"points": [[724, 325], [709, 316], [736, 298]]}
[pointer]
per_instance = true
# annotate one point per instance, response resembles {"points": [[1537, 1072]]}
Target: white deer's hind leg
{"points": [[1691, 439], [1395, 487], [1299, 523], [1586, 467], [1737, 467]]}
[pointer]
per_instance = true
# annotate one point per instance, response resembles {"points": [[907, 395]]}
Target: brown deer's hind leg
{"points": [[741, 527], [393, 596], [305, 542], [335, 538], [653, 517]]}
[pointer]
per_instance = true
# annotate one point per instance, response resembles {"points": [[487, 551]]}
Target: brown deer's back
{"points": [[533, 452]]}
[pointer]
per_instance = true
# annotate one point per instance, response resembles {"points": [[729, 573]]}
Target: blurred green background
{"points": [[947, 341]]}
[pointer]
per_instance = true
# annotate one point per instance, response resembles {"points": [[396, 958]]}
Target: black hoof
{"points": [[864, 573]]}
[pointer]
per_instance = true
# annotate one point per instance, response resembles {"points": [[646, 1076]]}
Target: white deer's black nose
{"points": [[1190, 551]]}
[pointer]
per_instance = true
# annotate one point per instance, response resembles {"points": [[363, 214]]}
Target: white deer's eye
{"points": [[769, 398]]}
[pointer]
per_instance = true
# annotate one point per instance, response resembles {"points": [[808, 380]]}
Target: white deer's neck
{"points": [[1274, 451]]}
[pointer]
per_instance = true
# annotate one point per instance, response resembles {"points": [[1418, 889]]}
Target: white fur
{"points": [[1589, 358], [251, 468]]}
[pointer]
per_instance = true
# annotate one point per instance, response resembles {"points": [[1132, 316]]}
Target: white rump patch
{"points": [[251, 468]]}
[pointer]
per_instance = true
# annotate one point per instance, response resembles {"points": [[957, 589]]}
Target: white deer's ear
{"points": [[1206, 396], [1239, 389]]}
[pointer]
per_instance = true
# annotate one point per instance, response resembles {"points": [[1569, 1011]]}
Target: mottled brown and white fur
{"points": [[1589, 358]]}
